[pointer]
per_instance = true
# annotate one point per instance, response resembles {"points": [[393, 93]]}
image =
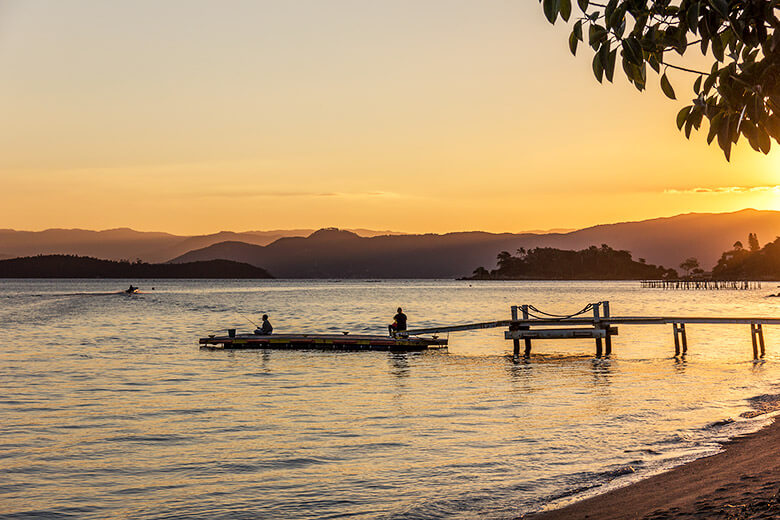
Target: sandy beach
{"points": [[741, 482]]}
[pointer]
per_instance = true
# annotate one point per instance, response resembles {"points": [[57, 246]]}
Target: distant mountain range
{"points": [[127, 244], [333, 253]]}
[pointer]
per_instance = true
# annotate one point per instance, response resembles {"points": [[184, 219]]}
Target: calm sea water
{"points": [[108, 408]]}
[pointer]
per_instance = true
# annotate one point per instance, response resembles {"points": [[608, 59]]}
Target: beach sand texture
{"points": [[741, 482]]}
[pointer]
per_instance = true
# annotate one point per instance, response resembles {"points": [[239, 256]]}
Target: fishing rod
{"points": [[248, 319]]}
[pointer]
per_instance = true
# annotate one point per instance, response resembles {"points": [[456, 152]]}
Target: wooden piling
{"points": [[527, 341], [515, 342], [685, 284], [676, 340], [761, 339], [597, 325], [608, 337], [753, 333]]}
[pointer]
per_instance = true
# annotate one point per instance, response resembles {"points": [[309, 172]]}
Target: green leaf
{"points": [[715, 123], [697, 85], [697, 114], [653, 62], [565, 8], [632, 50], [598, 68], [611, 6], [578, 29], [641, 77], [764, 142], [596, 35], [757, 108], [573, 41], [583, 4], [692, 16], [718, 48], [551, 8], [724, 136], [667, 87], [722, 6], [609, 67], [682, 115]]}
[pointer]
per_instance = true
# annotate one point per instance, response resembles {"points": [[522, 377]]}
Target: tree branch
{"points": [[700, 73]]}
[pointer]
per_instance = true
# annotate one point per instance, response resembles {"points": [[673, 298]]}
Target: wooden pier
{"points": [[701, 285], [528, 323]]}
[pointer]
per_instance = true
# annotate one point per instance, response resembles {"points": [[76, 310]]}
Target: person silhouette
{"points": [[399, 322], [265, 328]]}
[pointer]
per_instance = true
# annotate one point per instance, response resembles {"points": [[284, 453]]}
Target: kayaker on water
{"points": [[131, 290]]}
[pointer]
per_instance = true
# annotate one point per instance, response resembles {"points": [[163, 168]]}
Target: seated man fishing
{"points": [[265, 328], [399, 322]]}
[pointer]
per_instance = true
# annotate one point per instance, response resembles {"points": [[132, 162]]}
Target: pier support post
{"points": [[527, 353], [608, 337], [757, 336], [676, 340], [596, 324], [684, 339], [515, 342]]}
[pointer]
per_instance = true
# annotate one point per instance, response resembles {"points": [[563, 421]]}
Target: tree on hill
{"points": [[753, 242], [740, 93], [690, 264], [71, 266]]}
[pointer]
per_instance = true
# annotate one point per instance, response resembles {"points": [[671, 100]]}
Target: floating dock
{"points": [[323, 342]]}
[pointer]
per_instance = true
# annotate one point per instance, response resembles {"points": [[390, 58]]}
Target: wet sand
{"points": [[741, 482]]}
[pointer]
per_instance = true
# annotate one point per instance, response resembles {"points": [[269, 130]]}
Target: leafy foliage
{"points": [[739, 263], [690, 264], [739, 95], [594, 263], [70, 266]]}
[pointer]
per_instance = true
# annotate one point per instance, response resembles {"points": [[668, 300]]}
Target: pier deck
{"points": [[600, 326]]}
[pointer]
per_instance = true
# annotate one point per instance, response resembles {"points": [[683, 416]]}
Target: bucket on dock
{"points": [[232, 333]]}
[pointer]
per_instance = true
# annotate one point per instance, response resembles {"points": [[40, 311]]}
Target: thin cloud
{"points": [[243, 193], [723, 190]]}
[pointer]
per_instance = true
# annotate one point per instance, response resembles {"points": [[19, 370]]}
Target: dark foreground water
{"points": [[108, 409]]}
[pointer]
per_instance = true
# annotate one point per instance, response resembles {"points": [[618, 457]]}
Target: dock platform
{"points": [[323, 342]]}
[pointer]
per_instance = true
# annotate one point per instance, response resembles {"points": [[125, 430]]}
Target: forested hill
{"points": [[753, 263], [593, 263], [68, 266]]}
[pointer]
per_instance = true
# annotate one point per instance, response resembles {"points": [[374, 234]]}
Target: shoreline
{"points": [[740, 482]]}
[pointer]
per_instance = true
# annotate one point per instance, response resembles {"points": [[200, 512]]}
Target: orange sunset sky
{"points": [[421, 116]]}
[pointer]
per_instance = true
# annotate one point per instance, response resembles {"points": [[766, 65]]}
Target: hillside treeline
{"points": [[593, 263], [69, 266], [752, 263]]}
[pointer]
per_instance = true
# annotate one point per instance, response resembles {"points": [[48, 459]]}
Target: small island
{"points": [[593, 263], [70, 266]]}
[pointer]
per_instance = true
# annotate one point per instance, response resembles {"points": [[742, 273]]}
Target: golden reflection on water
{"points": [[110, 407]]}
